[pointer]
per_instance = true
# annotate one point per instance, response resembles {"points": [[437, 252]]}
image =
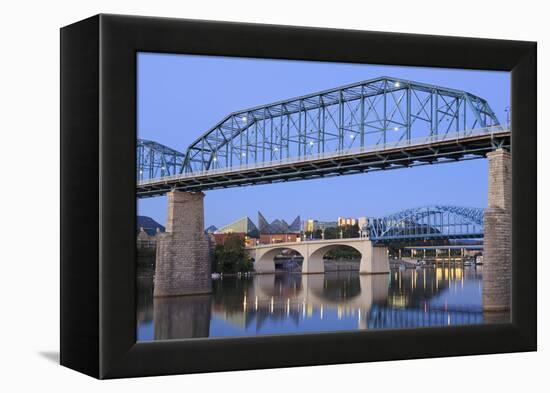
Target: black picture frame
{"points": [[98, 204]]}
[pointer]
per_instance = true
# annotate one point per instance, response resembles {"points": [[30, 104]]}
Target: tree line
{"points": [[230, 256], [344, 231]]}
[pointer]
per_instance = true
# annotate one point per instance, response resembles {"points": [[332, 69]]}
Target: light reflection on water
{"points": [[293, 303]]}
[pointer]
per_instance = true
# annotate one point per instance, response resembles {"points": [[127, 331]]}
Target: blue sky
{"points": [[182, 96]]}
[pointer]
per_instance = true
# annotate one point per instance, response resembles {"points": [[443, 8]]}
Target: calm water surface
{"points": [[294, 303]]}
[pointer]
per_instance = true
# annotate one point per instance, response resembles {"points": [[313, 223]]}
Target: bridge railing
{"points": [[384, 238], [335, 154], [306, 240]]}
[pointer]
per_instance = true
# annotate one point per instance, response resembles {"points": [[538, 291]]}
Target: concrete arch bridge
{"points": [[374, 258]]}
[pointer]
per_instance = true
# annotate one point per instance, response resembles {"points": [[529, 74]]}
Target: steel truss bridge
{"points": [[378, 124], [427, 223]]}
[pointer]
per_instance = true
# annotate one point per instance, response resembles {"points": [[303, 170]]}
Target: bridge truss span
{"points": [[472, 144], [379, 124], [428, 222], [156, 160], [373, 112]]}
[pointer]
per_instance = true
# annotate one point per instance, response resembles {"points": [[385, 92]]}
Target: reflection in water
{"points": [[181, 317], [294, 303]]}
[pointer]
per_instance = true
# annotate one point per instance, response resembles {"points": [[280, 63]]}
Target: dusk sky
{"points": [[181, 96]]}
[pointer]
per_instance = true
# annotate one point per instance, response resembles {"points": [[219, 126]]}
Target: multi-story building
{"points": [[312, 225], [363, 223], [342, 221], [322, 225]]}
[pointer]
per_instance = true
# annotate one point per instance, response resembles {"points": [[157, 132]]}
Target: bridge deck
{"points": [[310, 242], [430, 150]]}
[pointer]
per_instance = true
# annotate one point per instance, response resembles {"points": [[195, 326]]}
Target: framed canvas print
{"points": [[239, 196]]}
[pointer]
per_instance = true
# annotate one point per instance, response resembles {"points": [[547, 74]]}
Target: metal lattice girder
{"points": [[428, 222], [372, 112], [473, 144], [156, 160]]}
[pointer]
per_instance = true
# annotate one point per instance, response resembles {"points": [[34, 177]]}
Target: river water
{"points": [[285, 303]]}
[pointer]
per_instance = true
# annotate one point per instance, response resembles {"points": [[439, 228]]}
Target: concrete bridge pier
{"points": [[497, 243], [313, 262], [183, 257], [374, 259]]}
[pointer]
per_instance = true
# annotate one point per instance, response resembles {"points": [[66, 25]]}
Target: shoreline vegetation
{"points": [[230, 257]]}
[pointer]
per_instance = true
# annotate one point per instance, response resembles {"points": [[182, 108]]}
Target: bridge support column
{"points": [[312, 264], [374, 259], [183, 257], [497, 243]]}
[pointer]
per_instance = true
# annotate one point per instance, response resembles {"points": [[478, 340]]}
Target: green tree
{"points": [[332, 233], [343, 252], [318, 234], [230, 257]]}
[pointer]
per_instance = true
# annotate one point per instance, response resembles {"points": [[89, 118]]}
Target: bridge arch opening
{"points": [[334, 258], [278, 259]]}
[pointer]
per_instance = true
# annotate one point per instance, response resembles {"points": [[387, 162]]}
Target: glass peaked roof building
{"points": [[246, 226], [242, 225], [278, 226]]}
